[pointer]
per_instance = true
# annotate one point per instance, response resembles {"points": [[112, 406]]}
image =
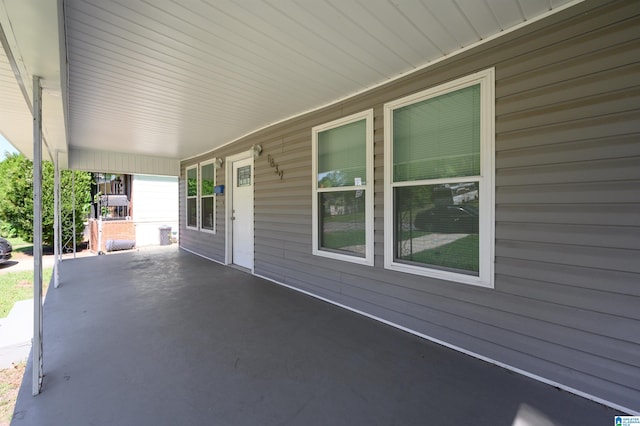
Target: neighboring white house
{"points": [[153, 200]]}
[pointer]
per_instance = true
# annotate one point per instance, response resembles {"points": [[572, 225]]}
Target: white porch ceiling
{"points": [[178, 78], [31, 39]]}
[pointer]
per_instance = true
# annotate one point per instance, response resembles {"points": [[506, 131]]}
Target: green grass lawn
{"points": [[407, 235], [15, 286], [19, 245], [337, 240], [460, 254], [345, 218]]}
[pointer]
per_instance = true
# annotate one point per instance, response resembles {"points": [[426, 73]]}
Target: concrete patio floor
{"points": [[164, 337]]}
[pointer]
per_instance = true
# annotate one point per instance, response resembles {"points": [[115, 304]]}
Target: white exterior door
{"points": [[242, 213]]}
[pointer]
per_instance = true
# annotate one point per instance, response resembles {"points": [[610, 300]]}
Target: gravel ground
{"points": [[10, 380]]}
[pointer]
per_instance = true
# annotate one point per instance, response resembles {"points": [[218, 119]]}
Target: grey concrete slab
{"points": [[16, 332], [168, 338]]}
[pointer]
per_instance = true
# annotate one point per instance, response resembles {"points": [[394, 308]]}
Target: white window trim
{"points": [[200, 196], [486, 79], [188, 197], [368, 188]]}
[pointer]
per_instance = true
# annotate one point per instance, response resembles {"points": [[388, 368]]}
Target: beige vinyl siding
{"points": [[566, 296], [115, 162]]}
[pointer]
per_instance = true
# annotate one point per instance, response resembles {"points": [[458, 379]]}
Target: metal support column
{"points": [[57, 235], [36, 350]]}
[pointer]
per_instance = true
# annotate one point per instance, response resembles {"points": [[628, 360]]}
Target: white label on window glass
{"points": [[358, 181]]}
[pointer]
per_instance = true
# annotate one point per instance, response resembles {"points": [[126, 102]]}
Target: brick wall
{"points": [[111, 230]]}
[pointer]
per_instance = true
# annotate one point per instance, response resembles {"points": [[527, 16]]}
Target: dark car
{"points": [[5, 250], [448, 219]]}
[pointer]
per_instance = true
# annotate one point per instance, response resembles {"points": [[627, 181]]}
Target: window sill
{"points": [[344, 257], [441, 275]]}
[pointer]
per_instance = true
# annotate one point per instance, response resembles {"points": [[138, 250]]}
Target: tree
{"points": [[16, 199]]}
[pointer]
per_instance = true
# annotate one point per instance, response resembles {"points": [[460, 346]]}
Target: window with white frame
{"points": [[439, 181], [200, 196], [191, 194], [207, 196], [343, 189]]}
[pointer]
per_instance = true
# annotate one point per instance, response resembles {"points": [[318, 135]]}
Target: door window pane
{"points": [[244, 176]]}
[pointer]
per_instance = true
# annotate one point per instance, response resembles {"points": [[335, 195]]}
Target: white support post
{"points": [[36, 350], [73, 209], [57, 235], [60, 234]]}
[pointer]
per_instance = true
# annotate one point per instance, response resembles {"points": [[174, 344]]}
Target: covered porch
{"points": [[164, 337]]}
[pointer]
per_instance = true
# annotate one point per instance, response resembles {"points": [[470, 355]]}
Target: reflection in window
{"points": [[192, 213], [192, 182], [437, 226], [439, 181], [342, 221], [438, 138], [207, 196], [343, 189], [192, 197], [207, 213], [342, 155]]}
